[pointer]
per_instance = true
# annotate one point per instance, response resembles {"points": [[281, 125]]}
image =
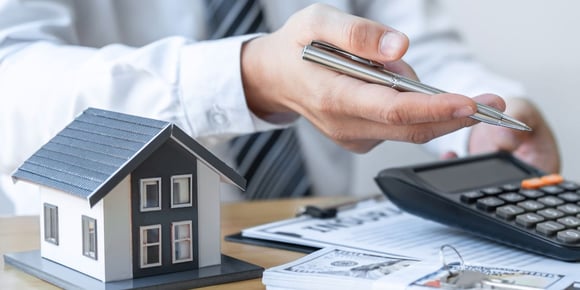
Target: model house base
{"points": [[230, 270]]}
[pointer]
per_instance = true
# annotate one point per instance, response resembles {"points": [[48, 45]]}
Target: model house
{"points": [[125, 197]]}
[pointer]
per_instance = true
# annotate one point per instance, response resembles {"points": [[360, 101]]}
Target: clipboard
{"points": [[239, 238]]}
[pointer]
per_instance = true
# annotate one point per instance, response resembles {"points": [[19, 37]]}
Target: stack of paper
{"points": [[377, 246], [336, 269], [344, 268]]}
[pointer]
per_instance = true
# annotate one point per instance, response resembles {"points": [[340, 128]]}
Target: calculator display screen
{"points": [[472, 175]]}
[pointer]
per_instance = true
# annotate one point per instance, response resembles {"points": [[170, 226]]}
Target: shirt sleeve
{"points": [[47, 79], [440, 58]]}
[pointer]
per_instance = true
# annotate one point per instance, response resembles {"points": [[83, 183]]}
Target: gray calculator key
{"points": [[570, 208], [569, 236], [511, 187], [492, 190], [570, 196], [550, 200], [528, 220], [552, 189], [511, 197], [549, 228], [531, 205], [570, 221], [489, 203], [508, 212], [550, 213], [531, 193], [569, 185], [471, 196]]}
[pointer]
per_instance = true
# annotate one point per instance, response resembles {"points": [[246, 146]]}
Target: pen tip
{"points": [[516, 125], [524, 127]]}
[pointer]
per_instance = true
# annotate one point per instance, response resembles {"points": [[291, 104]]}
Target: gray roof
{"points": [[99, 148]]}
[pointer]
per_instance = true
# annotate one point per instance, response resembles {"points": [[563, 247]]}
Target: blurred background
{"points": [[532, 41]]}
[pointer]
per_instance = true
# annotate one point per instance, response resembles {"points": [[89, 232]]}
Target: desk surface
{"points": [[22, 234]]}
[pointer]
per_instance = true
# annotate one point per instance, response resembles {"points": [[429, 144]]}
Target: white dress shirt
{"points": [[149, 58]]}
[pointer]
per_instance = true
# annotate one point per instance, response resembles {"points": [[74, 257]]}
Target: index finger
{"points": [[385, 105]]}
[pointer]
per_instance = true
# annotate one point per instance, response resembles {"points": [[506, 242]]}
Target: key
{"points": [[458, 277], [463, 279]]}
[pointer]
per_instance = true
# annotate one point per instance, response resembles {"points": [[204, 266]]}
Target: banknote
{"points": [[497, 278], [339, 262]]}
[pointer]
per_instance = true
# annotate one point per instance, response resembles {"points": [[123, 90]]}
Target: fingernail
{"points": [[392, 43], [463, 112]]}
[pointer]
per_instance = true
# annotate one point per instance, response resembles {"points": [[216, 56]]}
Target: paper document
{"points": [[381, 227]]}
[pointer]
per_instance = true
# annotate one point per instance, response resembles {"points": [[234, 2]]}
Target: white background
{"points": [[535, 42]]}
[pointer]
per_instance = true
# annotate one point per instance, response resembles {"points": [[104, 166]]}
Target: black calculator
{"points": [[495, 196]]}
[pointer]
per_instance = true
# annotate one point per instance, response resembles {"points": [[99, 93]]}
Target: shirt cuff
{"points": [[211, 89]]}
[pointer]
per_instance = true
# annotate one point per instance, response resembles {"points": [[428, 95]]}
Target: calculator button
{"points": [[531, 205], [531, 193], [508, 212], [569, 185], [550, 213], [492, 190], [471, 197], [511, 187], [489, 203], [569, 236], [552, 179], [528, 220], [569, 221], [549, 228], [570, 208], [570, 197], [550, 201], [532, 183], [552, 189], [512, 197]]}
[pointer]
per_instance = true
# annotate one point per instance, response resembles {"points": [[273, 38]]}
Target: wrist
{"points": [[263, 96]]}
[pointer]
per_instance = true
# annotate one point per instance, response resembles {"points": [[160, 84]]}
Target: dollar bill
{"points": [[497, 278], [340, 262]]}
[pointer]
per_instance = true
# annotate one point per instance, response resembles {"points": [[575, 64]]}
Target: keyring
{"points": [[442, 257]]}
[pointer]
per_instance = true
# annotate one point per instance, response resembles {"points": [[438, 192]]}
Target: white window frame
{"points": [[190, 189], [50, 223], [143, 188], [143, 243], [175, 241], [89, 245]]}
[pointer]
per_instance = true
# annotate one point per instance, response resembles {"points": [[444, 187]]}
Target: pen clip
{"points": [[331, 48]]}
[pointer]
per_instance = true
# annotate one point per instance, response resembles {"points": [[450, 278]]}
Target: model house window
{"points": [[181, 191], [150, 246], [51, 223], [182, 247], [90, 237], [150, 194]]}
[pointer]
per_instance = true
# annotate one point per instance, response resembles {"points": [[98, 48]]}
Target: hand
{"points": [[537, 147], [280, 86]]}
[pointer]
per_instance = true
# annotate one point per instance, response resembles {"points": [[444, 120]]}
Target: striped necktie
{"points": [[270, 161]]}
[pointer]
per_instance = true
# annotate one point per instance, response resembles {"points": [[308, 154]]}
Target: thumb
{"points": [[357, 35]]}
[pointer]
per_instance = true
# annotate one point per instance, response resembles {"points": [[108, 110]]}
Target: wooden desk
{"points": [[22, 234]]}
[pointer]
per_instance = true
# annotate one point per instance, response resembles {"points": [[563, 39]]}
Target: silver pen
{"points": [[371, 71]]}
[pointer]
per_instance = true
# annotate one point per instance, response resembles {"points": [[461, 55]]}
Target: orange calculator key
{"points": [[532, 183], [552, 179]]}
